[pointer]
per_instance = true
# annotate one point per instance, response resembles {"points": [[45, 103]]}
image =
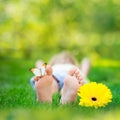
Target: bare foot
{"points": [[44, 86], [71, 84]]}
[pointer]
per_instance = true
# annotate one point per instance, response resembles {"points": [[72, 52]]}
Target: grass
{"points": [[18, 99]]}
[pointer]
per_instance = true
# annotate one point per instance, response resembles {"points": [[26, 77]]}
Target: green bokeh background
{"points": [[31, 28]]}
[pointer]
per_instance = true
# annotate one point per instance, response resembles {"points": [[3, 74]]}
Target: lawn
{"points": [[18, 99]]}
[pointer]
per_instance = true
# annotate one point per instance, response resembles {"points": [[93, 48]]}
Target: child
{"points": [[62, 73]]}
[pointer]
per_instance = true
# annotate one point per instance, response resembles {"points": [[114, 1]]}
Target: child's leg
{"points": [[46, 86], [71, 84]]}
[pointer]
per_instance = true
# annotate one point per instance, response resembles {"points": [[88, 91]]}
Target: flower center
{"points": [[94, 99]]}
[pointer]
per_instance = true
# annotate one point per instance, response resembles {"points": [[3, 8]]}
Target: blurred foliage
{"points": [[30, 28]]}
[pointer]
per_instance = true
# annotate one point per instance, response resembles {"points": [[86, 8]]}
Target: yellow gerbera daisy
{"points": [[93, 94]]}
